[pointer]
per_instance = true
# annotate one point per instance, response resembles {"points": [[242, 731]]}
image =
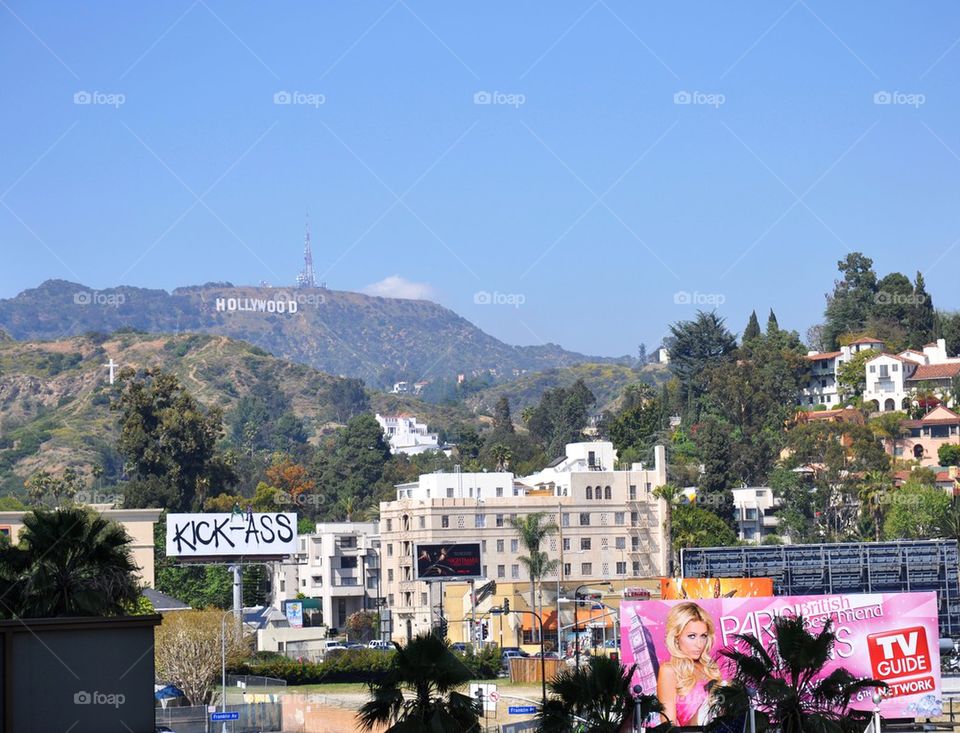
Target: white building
{"points": [[754, 511], [610, 525], [407, 435], [891, 378], [821, 388], [338, 565]]}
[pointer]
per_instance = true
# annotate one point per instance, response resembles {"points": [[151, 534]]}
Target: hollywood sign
{"points": [[234, 534], [256, 305]]}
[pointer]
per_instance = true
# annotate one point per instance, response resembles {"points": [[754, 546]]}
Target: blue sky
{"points": [[538, 152]]}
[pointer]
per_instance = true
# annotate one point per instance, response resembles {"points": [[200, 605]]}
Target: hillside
{"points": [[606, 381], [55, 395], [381, 340]]}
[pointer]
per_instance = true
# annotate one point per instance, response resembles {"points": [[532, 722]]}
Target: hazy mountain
{"points": [[381, 340]]}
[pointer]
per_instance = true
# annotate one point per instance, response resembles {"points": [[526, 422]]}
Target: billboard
{"points": [[448, 561], [294, 610], [680, 588], [235, 534], [891, 637]]}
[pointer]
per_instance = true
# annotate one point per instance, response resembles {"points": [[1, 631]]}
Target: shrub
{"points": [[353, 665]]}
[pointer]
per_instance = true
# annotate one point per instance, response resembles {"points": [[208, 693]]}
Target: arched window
{"points": [[589, 492], [918, 452], [888, 405], [607, 492]]}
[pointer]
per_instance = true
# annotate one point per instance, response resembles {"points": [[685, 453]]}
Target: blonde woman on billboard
{"points": [[684, 681]]}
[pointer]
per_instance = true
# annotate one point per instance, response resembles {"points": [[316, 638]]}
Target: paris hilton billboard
{"points": [[892, 637]]}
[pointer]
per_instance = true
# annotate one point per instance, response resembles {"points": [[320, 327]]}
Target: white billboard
{"points": [[203, 535]]}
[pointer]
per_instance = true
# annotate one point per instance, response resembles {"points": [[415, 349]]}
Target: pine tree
{"points": [[772, 325], [752, 330], [921, 319], [502, 422]]}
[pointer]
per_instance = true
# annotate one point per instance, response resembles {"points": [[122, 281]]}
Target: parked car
{"points": [[354, 645], [380, 644], [511, 652], [459, 646]]}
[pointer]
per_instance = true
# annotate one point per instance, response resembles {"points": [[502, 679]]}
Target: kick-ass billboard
{"points": [[891, 637], [237, 533], [448, 561]]}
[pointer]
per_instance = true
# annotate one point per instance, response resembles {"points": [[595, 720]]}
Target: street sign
{"points": [[494, 696], [522, 709], [486, 694], [214, 717]]}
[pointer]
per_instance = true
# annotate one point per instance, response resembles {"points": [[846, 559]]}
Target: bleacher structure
{"points": [[855, 567]]}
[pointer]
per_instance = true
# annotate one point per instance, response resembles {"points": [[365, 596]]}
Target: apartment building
{"points": [[892, 378], [610, 525], [405, 434], [338, 565], [754, 510]]}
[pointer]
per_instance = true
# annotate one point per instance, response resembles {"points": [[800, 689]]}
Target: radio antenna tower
{"points": [[306, 278]]}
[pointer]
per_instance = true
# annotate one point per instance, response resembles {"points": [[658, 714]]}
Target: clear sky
{"points": [[582, 163]]}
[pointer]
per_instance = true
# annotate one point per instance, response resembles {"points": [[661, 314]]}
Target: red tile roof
{"points": [[893, 356], [825, 355], [935, 371]]}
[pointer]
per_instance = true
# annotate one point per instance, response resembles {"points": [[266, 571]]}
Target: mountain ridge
{"points": [[382, 340]]}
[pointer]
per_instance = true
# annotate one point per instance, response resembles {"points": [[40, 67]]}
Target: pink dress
{"points": [[692, 708]]}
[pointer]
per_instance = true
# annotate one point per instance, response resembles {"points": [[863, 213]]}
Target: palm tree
{"points": [[669, 493], [429, 673], [595, 698], [502, 455], [69, 562], [786, 673], [532, 530]]}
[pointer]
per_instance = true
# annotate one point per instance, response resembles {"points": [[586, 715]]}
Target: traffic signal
{"points": [[506, 605], [442, 628], [484, 631]]}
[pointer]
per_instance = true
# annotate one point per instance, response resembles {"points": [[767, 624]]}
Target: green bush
{"points": [[485, 665], [352, 665]]}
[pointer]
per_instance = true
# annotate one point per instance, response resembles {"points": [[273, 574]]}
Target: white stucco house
{"points": [[891, 378]]}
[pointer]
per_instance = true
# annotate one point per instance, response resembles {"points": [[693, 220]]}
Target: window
{"points": [[499, 545], [480, 520], [589, 492], [501, 571], [636, 567], [445, 521], [621, 543], [618, 518], [389, 575], [584, 519], [499, 521], [499, 491], [389, 525], [633, 492], [894, 367], [584, 543], [565, 520], [483, 545], [349, 542], [408, 599], [751, 513], [449, 492], [599, 494], [621, 568], [566, 543], [390, 599], [389, 549], [586, 568], [423, 599], [649, 487], [566, 568], [634, 519], [607, 492], [348, 562], [514, 571], [635, 543], [316, 580], [873, 369], [421, 522], [514, 545]]}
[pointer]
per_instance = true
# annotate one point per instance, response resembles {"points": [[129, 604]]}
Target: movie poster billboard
{"points": [[236, 534], [680, 588], [893, 637], [448, 561]]}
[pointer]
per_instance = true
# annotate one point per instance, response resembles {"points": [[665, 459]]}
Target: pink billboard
{"points": [[893, 637]]}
